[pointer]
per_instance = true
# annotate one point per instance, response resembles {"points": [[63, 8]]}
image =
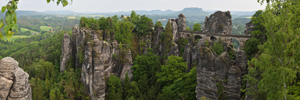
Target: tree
{"points": [[9, 25], [197, 27], [174, 68], [259, 30], [134, 91], [158, 24], [103, 23], [183, 88], [144, 25], [251, 47], [114, 88], [124, 35], [278, 63], [167, 38], [126, 86], [144, 70]]}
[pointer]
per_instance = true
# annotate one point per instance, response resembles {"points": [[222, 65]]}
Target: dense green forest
{"points": [[273, 55]]}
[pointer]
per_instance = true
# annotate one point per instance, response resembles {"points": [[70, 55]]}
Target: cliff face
{"points": [[14, 83], [249, 28], [66, 51], [218, 74], [219, 22], [99, 56]]}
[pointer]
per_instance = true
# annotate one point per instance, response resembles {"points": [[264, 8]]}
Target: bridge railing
{"points": [[216, 34]]}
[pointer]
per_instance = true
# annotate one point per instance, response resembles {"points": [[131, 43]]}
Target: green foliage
{"points": [[134, 91], [158, 24], [278, 63], [221, 91], [114, 88], [145, 69], [218, 47], [126, 86], [259, 30], [42, 65], [251, 47], [125, 33], [174, 68], [10, 23], [89, 23], [167, 38], [197, 27], [258, 33], [144, 25], [103, 23], [131, 98], [181, 44], [182, 89], [188, 28], [63, 2]]}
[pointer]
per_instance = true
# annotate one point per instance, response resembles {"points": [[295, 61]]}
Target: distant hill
{"points": [[61, 12], [193, 14], [26, 13]]}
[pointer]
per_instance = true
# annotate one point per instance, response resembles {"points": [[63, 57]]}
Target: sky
{"points": [[128, 5]]}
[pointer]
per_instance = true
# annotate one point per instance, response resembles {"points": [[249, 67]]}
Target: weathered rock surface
{"points": [[174, 25], [219, 22], [213, 70], [99, 56], [66, 51], [249, 28], [181, 22], [14, 83], [98, 59]]}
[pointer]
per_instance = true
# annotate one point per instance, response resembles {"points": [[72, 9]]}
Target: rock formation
{"points": [[66, 51], [14, 83], [178, 24], [214, 71], [249, 28], [181, 22], [219, 22], [98, 57]]}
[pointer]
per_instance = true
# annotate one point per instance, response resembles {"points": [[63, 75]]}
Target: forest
{"points": [[273, 54]]}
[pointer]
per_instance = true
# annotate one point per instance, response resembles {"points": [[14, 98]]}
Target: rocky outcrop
{"points": [[66, 52], [173, 23], [219, 22], [249, 28], [181, 22], [98, 57], [14, 83], [217, 72], [178, 24]]}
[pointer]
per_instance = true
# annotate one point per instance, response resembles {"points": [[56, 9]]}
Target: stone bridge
{"points": [[216, 36], [216, 26]]}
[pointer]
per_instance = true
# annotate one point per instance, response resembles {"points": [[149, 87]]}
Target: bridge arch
{"points": [[235, 43], [198, 37], [213, 38]]}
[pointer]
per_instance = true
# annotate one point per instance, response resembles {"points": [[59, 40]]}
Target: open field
{"points": [[14, 37], [25, 29], [45, 28]]}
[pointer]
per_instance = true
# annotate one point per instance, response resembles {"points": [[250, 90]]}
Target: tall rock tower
{"points": [[219, 22]]}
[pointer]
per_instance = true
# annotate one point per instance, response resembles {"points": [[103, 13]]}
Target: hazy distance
{"points": [[128, 5]]}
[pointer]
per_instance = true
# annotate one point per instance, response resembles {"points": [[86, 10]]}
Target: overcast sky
{"points": [[128, 5]]}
